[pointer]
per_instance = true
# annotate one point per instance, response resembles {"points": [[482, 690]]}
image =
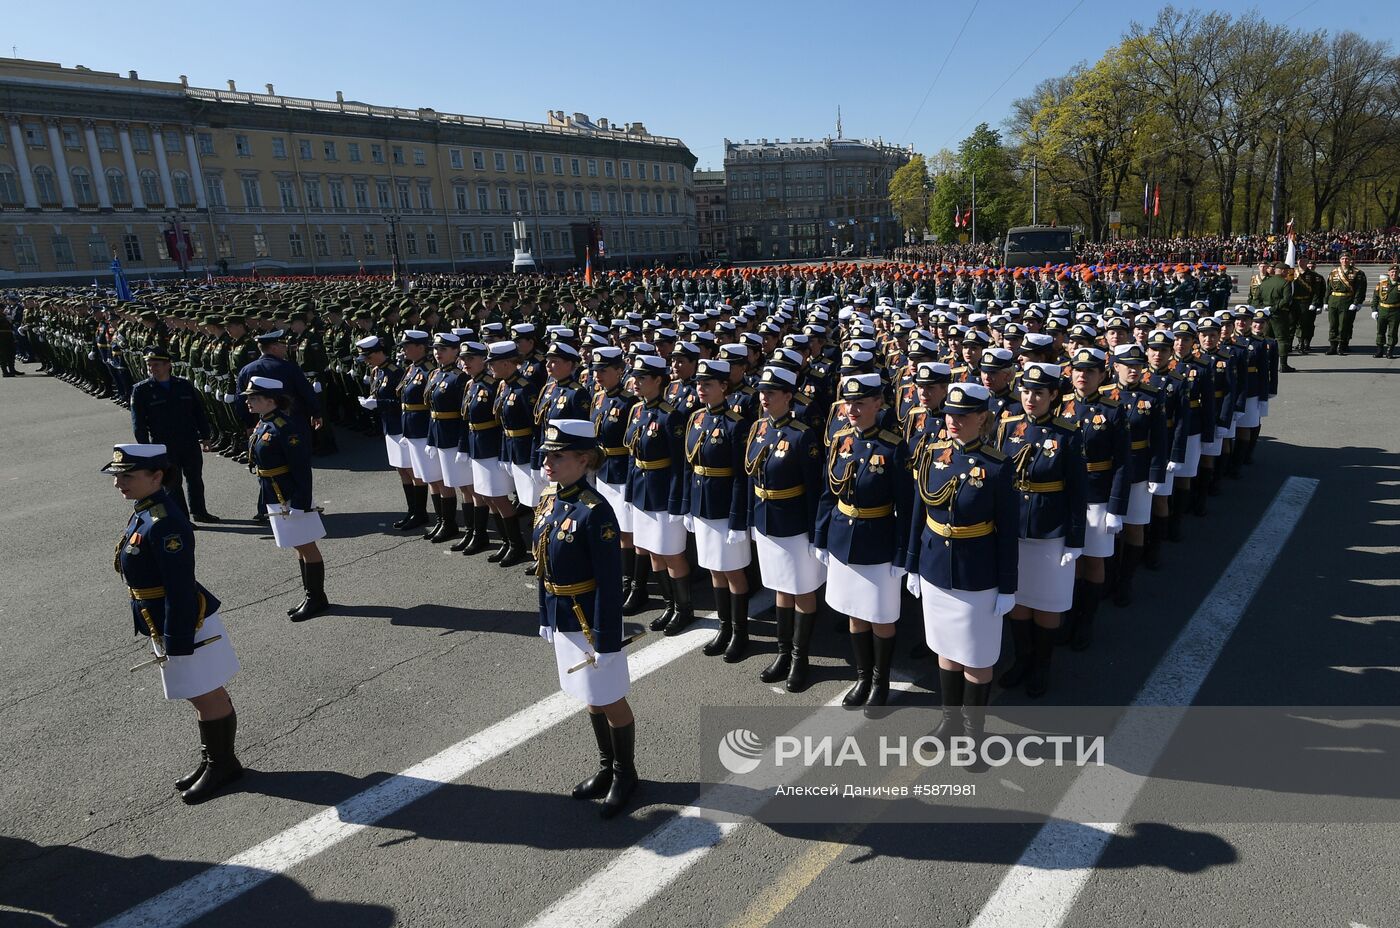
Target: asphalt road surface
{"points": [[409, 754]]}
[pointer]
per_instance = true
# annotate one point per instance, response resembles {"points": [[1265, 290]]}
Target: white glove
{"points": [[732, 537], [602, 660], [1375, 315], [1316, 310], [547, 633], [911, 583], [896, 571], [688, 522], [92, 355], [431, 451], [365, 378], [1005, 603], [1070, 556], [369, 402], [316, 386], [822, 555], [1354, 307], [1113, 523], [230, 398]]}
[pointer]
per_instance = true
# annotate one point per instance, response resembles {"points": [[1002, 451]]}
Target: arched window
{"points": [[117, 189], [82, 187], [183, 194], [45, 186], [150, 188], [9, 187]]}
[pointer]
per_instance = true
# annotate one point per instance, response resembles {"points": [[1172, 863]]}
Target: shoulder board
{"points": [[278, 421], [994, 453], [158, 512], [589, 498], [1068, 424], [1110, 401], [892, 437], [733, 416], [666, 407], [847, 430], [799, 425], [1065, 398], [941, 444], [1013, 417]]}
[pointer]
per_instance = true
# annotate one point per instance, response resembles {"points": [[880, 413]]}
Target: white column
{"points": [[60, 165], [196, 175], [129, 161], [26, 179], [99, 179], [158, 143]]}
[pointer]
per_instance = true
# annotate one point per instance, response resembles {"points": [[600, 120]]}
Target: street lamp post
{"points": [[397, 267]]}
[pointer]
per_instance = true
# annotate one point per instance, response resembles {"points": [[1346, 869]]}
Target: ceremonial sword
{"points": [[162, 658]]}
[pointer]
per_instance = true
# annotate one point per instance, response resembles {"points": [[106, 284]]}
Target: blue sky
{"points": [[702, 72]]}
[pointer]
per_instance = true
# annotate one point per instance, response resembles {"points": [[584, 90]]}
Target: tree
{"points": [[909, 194]]}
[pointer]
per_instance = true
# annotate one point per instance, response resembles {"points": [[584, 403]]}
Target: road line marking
{"points": [[1363, 669], [1375, 549], [1367, 619], [222, 883], [1040, 889], [1379, 581]]}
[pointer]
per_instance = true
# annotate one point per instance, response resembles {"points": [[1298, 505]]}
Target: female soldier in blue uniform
{"points": [[472, 360], [862, 527], [515, 410], [491, 483], [444, 395], [783, 460], [155, 558], [612, 408], [414, 419], [280, 454], [963, 556], [579, 564], [383, 403], [1144, 412], [1051, 485]]}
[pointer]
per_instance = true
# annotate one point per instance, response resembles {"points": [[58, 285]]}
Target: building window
{"points": [[671, 175], [337, 189], [279, 147], [171, 140], [522, 197], [627, 203], [260, 249], [180, 181], [483, 199], [626, 170], [82, 187], [62, 252], [287, 194], [141, 139], [312, 189], [642, 198], [608, 170], [498, 159], [361, 194], [478, 161], [548, 241], [71, 139], [459, 195], [405, 199], [595, 202], [676, 240], [354, 150], [430, 240], [574, 167], [295, 246], [252, 193], [454, 156], [578, 201], [347, 245], [539, 164], [592, 167], [328, 151], [464, 241], [612, 202], [386, 200], [558, 165], [131, 244], [673, 204], [503, 198], [107, 139], [542, 198], [376, 153], [425, 195], [420, 158], [397, 151], [488, 243], [204, 142], [150, 188], [519, 163], [370, 244], [561, 201], [641, 170], [9, 187], [44, 185], [98, 255], [26, 258], [323, 248], [410, 242]]}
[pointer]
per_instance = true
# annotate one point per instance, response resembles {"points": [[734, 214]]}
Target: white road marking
{"points": [[1375, 549], [1041, 887], [201, 894], [1363, 669], [1367, 619]]}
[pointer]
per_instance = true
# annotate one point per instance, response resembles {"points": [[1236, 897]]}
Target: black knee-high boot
{"points": [[950, 692], [431, 533], [409, 496], [974, 720], [1181, 501], [1083, 634], [468, 528], [782, 662], [624, 781], [1132, 556], [863, 650], [724, 607], [883, 652], [1043, 646], [1152, 550], [223, 767], [803, 623], [667, 585], [495, 556], [739, 641], [481, 535], [685, 610], [448, 529], [315, 581], [1021, 654], [598, 784], [638, 596]]}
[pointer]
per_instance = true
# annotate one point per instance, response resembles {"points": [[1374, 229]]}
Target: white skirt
{"points": [[962, 625], [657, 532], [1097, 541], [204, 671], [1139, 505], [456, 467], [787, 565], [528, 484], [1249, 419], [1212, 449], [490, 478], [863, 591], [1187, 468], [713, 552], [424, 460], [296, 527], [616, 495], [397, 446], [1263, 408], [590, 684], [1041, 583]]}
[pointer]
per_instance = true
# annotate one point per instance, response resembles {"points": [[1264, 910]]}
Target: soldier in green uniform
{"points": [[1276, 292], [1385, 309], [1346, 292], [1309, 290]]}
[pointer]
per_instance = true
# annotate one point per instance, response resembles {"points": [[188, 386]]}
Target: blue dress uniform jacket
{"points": [[715, 486], [483, 433], [171, 415], [1198, 395], [964, 531], [579, 562], [1226, 366], [280, 453], [783, 460], [446, 386], [1149, 447], [683, 395], [922, 426], [155, 558], [515, 407], [567, 399], [612, 410], [1171, 391], [1050, 479], [1106, 444], [532, 369], [384, 387], [656, 475], [305, 403], [413, 401], [743, 399], [867, 495]]}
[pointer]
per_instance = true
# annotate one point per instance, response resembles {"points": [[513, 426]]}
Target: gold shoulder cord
{"points": [[943, 497], [839, 485], [752, 468], [542, 559], [1022, 461]]}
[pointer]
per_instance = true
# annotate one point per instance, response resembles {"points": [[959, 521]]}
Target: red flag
{"points": [[1157, 200], [967, 217]]}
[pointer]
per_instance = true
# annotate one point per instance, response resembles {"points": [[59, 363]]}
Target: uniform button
{"points": [[947, 544]]}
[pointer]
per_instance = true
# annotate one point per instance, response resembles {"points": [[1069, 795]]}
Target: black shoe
{"points": [[880, 676], [1343, 348], [495, 556], [189, 779], [1333, 349], [667, 584], [1390, 355], [316, 602], [1021, 655], [207, 517], [468, 534], [624, 779], [516, 551], [637, 597], [432, 533], [447, 529], [598, 784], [685, 610], [1379, 354], [739, 641], [724, 606], [481, 535], [863, 649], [778, 669], [223, 766], [950, 687], [802, 625], [262, 518]]}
